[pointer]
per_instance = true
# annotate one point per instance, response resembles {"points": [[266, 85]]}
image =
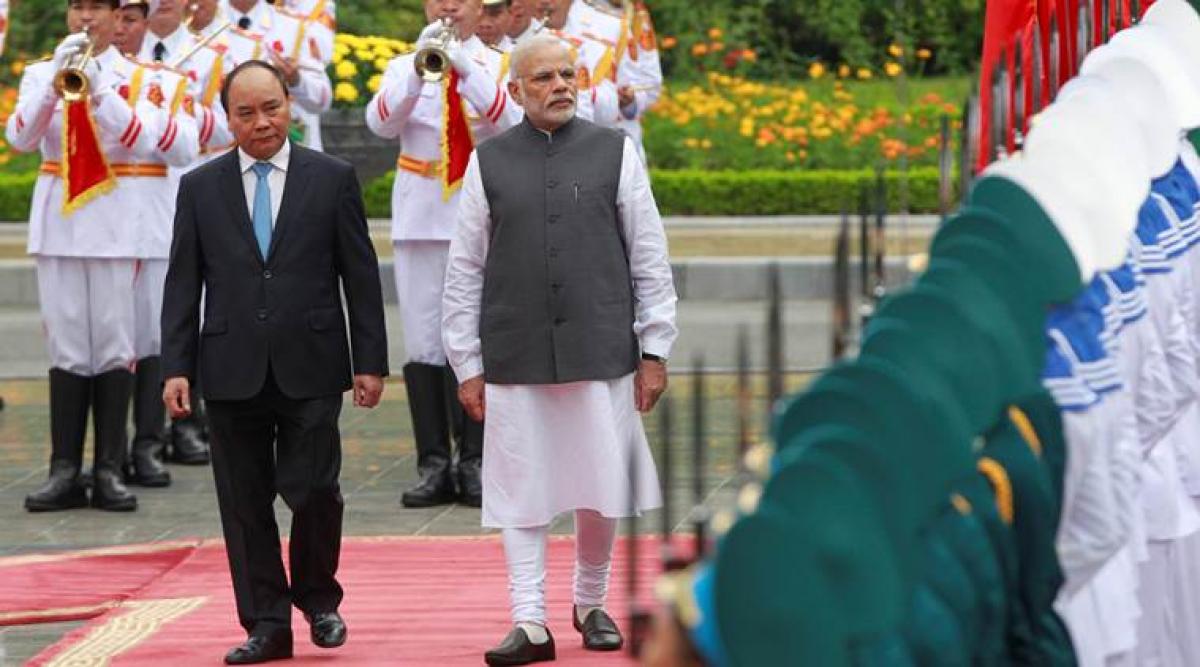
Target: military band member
{"points": [[521, 21], [321, 16], [131, 26], [86, 245], [436, 139], [629, 32], [170, 41], [494, 24], [281, 38], [595, 60]]}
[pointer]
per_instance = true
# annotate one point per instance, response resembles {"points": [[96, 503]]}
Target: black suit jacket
{"points": [[284, 310]]}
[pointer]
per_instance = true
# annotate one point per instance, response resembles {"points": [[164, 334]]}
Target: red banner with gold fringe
{"points": [[86, 173], [457, 140]]}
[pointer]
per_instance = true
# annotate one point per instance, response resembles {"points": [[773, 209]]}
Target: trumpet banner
{"points": [[86, 172], [457, 142]]}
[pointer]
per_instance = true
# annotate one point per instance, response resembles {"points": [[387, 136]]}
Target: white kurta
{"points": [[549, 449]]}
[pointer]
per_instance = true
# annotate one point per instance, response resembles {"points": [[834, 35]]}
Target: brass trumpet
{"points": [[432, 62], [71, 82]]}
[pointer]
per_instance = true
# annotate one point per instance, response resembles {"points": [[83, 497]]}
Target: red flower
{"points": [[278, 46]]}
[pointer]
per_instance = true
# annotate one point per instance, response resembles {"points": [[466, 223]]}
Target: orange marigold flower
{"points": [[668, 43], [924, 54], [895, 51], [715, 33], [699, 49], [863, 73], [750, 56], [892, 69], [816, 70]]}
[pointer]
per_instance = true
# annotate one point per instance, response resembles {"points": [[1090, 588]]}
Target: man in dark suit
{"points": [[267, 232]]}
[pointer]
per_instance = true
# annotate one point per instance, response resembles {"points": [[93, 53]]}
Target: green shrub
{"points": [[687, 192], [16, 191]]}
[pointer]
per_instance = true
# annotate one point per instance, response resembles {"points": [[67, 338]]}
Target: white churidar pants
{"points": [[525, 551]]}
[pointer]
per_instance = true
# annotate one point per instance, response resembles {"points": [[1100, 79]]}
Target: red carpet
{"points": [[409, 601]]}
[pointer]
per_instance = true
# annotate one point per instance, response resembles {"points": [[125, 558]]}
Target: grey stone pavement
{"points": [[379, 460]]}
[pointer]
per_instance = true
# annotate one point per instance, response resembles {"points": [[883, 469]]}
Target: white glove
{"points": [[74, 43], [94, 76], [428, 34], [461, 61]]}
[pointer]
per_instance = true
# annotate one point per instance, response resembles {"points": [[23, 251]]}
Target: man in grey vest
{"points": [[558, 316]]}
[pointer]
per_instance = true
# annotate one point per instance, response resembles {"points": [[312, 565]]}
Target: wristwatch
{"points": [[654, 357]]}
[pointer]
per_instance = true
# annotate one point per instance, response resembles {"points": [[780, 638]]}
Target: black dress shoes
{"points": [[327, 629], [599, 631], [435, 488], [516, 649], [470, 484], [261, 648]]}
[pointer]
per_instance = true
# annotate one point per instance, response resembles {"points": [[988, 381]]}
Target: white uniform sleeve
{"points": [[463, 296], [398, 95], [649, 265], [606, 104], [314, 93], [489, 98], [646, 75], [179, 142], [139, 129], [34, 111]]}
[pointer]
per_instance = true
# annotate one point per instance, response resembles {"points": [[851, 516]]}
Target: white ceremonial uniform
{"points": [[287, 35], [630, 32], [423, 218], [206, 69], [165, 93], [86, 261], [319, 21], [549, 449]]}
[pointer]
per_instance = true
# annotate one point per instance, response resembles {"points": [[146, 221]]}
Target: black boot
{"points": [[468, 438], [189, 436], [110, 406], [70, 396], [149, 414], [431, 429]]}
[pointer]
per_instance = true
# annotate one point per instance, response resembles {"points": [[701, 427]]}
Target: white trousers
{"points": [[525, 551], [420, 269], [87, 309], [148, 301]]}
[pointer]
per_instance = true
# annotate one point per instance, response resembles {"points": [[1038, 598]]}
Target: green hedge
{"points": [[751, 192], [678, 192], [16, 191]]}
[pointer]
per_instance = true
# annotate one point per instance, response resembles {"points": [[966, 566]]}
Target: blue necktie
{"points": [[262, 207]]}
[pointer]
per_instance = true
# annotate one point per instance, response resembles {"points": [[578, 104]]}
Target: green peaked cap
{"points": [[944, 341], [775, 603], [1047, 255], [1018, 365], [830, 505], [900, 484], [913, 413]]}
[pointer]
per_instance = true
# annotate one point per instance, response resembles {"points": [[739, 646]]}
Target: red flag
{"points": [[457, 140], [86, 174]]}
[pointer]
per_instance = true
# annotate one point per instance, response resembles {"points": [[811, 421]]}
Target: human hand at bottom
{"points": [[471, 395]]}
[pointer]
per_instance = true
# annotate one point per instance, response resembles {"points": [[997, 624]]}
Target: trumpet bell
{"points": [[71, 82], [431, 64]]}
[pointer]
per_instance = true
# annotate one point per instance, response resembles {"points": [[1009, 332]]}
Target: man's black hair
{"points": [[248, 65]]}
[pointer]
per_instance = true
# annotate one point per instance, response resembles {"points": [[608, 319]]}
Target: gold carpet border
{"points": [[124, 631]]}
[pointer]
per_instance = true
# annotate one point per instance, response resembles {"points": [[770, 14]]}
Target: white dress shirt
{"points": [[277, 178]]}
